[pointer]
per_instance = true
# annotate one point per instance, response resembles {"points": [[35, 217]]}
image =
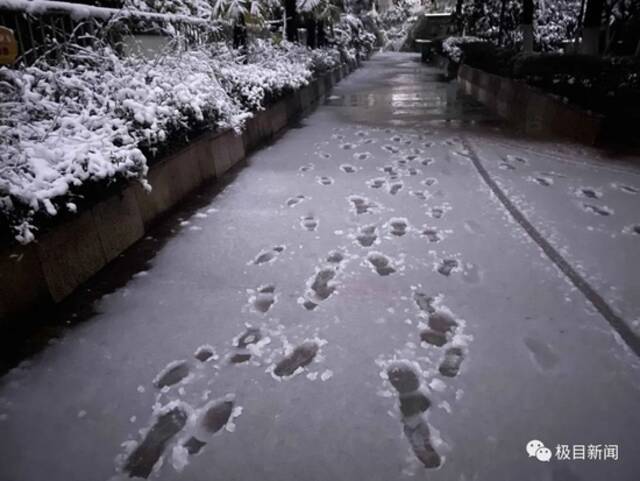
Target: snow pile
{"points": [[95, 116], [451, 47]]}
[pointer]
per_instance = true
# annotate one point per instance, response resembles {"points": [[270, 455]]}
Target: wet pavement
{"points": [[358, 303]]}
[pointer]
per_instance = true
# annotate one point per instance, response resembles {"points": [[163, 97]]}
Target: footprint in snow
{"points": [[301, 356], [335, 257], [361, 155], [380, 263], [251, 336], [293, 201], [628, 189], [309, 223], [204, 353], [213, 417], [324, 180], [431, 234], [398, 226], [264, 298], [589, 193], [391, 149], [515, 158], [429, 181], [595, 209], [376, 183], [321, 286], [450, 365], [447, 265], [419, 194], [173, 373], [505, 166], [367, 235], [545, 181], [424, 302], [144, 457], [395, 187], [362, 205], [441, 327], [267, 256], [437, 212]]}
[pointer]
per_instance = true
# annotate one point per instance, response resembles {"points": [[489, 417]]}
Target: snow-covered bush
{"points": [[91, 117], [555, 23], [270, 71], [353, 39], [95, 116], [451, 47]]}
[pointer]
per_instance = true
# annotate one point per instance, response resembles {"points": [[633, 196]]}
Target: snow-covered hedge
{"points": [[96, 116], [451, 47]]}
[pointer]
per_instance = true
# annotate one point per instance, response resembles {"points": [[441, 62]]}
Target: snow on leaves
{"points": [[95, 116]]}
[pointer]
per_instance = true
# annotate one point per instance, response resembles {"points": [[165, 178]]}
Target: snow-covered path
{"points": [[357, 304]]}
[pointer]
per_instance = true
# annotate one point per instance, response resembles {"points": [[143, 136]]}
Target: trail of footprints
{"points": [[199, 425], [546, 179], [413, 403]]}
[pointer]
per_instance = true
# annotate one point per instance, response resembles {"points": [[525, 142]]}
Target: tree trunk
{"points": [[322, 35], [591, 27], [459, 22], [579, 25], [291, 11], [311, 26], [503, 9], [240, 32], [526, 25]]}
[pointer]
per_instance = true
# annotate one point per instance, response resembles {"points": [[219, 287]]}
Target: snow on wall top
{"points": [[80, 11]]}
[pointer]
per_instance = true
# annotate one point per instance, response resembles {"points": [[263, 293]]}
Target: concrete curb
{"points": [[535, 111], [70, 253]]}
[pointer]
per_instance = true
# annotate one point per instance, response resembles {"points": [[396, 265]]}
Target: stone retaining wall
{"points": [[535, 111], [70, 253]]}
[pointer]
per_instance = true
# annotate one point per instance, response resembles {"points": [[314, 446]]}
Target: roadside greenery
{"points": [[91, 116]]}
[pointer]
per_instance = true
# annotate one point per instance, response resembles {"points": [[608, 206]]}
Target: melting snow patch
{"points": [[326, 375], [231, 425], [437, 385]]}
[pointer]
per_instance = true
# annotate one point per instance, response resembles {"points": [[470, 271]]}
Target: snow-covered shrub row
{"points": [[96, 116], [451, 47], [554, 23]]}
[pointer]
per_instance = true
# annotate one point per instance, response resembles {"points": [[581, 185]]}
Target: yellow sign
{"points": [[8, 46]]}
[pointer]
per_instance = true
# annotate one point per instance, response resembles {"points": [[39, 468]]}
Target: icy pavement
{"points": [[355, 304]]}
